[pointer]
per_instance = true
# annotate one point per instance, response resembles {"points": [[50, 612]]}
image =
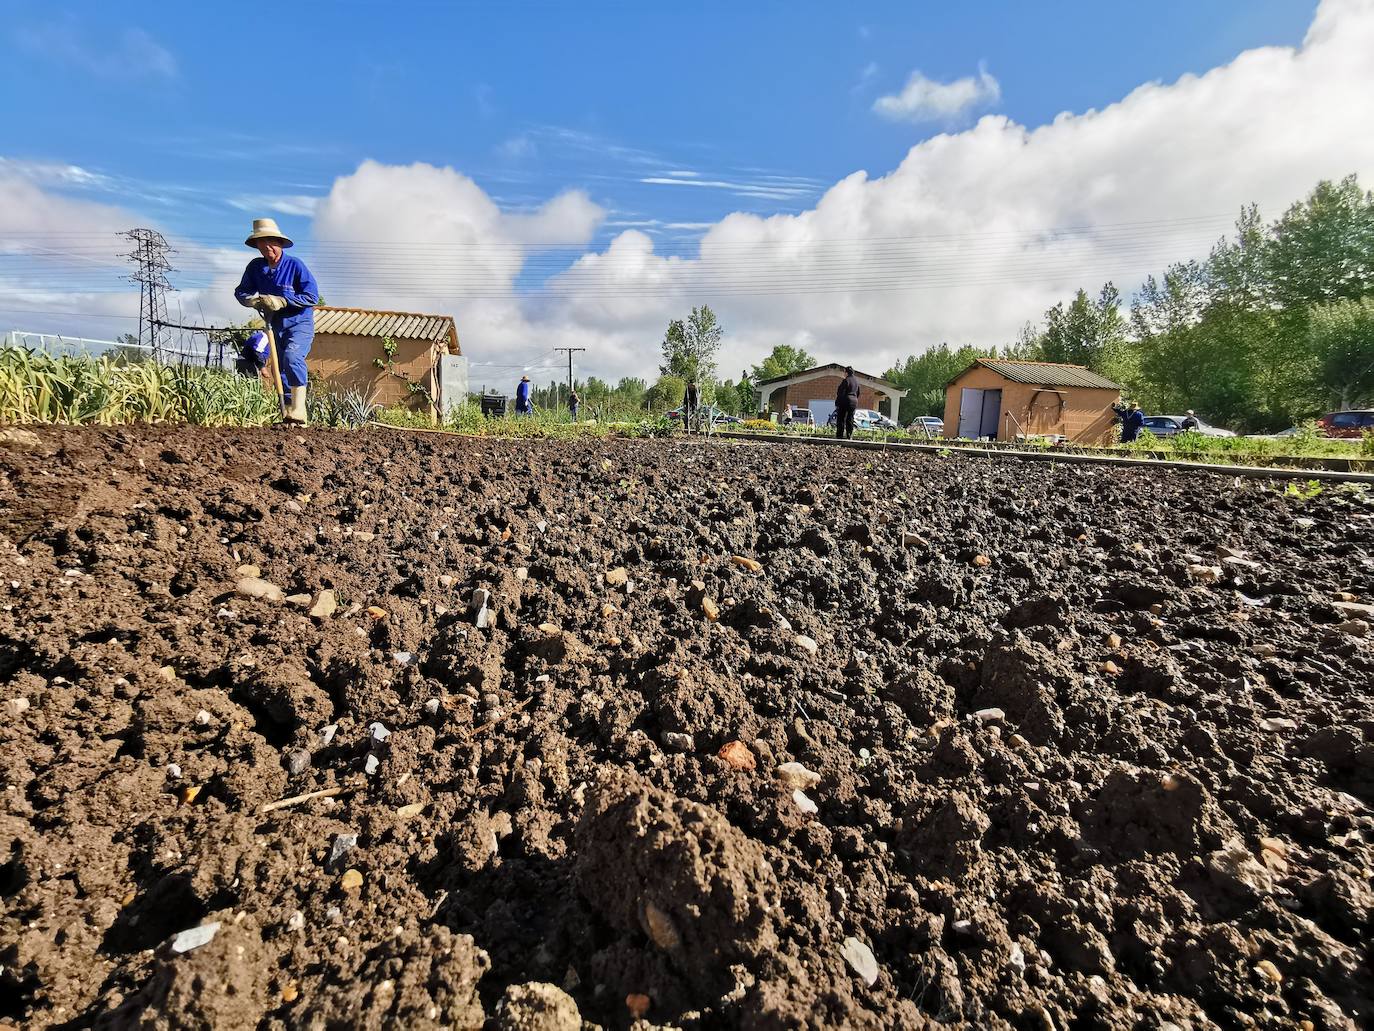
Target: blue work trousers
{"points": [[293, 344]]}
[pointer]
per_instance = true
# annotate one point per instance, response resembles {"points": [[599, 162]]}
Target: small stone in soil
{"points": [[807, 644], [676, 742], [195, 937], [352, 880], [804, 803], [737, 756], [993, 715], [173, 771], [860, 959], [327, 732], [377, 733], [297, 762], [325, 605], [617, 577], [339, 850], [255, 587], [795, 775], [432, 707], [202, 718], [370, 764], [711, 609]]}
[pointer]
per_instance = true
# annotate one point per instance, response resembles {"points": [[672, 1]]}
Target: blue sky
{"points": [[863, 180], [191, 108]]}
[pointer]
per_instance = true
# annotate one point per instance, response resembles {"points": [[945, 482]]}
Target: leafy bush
{"points": [[408, 418], [661, 426], [341, 407], [758, 424]]}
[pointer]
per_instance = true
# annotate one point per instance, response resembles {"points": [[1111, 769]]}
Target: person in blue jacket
{"points": [[283, 290], [1132, 423], [522, 397]]}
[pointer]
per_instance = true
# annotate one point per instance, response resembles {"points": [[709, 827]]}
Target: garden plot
{"points": [[367, 729]]}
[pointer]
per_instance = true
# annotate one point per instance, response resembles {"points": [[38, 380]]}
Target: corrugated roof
{"points": [[1045, 374], [402, 325]]}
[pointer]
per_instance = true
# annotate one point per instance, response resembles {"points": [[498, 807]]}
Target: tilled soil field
{"points": [[695, 735]]}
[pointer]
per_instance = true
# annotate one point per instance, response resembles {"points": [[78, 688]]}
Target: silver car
{"points": [[1168, 425]]}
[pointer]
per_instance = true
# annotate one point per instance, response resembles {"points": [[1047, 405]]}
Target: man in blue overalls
{"points": [[522, 397], [283, 290]]}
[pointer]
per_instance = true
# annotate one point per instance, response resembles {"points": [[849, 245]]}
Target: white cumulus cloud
{"points": [[926, 100]]}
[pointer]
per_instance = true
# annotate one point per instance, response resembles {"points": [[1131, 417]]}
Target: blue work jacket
{"points": [[290, 280]]}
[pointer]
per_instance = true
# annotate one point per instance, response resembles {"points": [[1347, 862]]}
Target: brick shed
{"points": [[1007, 399], [815, 389], [348, 343]]}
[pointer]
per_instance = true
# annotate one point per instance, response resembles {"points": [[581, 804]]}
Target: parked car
{"points": [[1347, 424], [931, 425], [1168, 425], [801, 417], [867, 419]]}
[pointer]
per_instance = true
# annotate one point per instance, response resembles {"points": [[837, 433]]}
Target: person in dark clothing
{"points": [[1132, 423], [690, 400], [846, 404], [573, 402], [1190, 420]]}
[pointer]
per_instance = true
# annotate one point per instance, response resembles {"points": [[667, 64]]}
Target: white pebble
{"points": [[195, 937]]}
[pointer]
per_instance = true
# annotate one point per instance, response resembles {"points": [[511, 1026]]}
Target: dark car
{"points": [[1347, 424]]}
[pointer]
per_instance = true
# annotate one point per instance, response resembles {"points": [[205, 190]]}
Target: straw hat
{"points": [[266, 229]]}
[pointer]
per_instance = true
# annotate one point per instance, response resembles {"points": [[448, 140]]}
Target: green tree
{"points": [[783, 360], [690, 347], [1322, 249], [1343, 340], [1087, 332], [665, 395]]}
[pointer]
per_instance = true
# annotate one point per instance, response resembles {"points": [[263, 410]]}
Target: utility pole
{"points": [[570, 351], [150, 255]]}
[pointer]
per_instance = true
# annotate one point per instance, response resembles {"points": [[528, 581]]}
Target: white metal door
{"points": [[970, 412]]}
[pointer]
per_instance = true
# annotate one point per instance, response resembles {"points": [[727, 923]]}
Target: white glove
{"points": [[251, 301], [270, 302]]}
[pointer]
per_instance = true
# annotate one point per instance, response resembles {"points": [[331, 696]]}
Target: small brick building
{"points": [[349, 346], [815, 389], [1004, 400]]}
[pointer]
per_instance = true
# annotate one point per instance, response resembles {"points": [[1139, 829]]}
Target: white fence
{"points": [[58, 345]]}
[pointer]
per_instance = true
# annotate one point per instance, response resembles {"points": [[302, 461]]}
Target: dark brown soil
{"points": [[1166, 826]]}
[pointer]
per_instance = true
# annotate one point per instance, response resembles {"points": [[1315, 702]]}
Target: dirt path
{"points": [[993, 745]]}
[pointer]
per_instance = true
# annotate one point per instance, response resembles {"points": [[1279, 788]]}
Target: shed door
{"points": [[992, 413], [970, 412]]}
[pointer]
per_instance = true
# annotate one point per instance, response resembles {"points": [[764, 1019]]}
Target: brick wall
{"points": [[800, 394]]}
